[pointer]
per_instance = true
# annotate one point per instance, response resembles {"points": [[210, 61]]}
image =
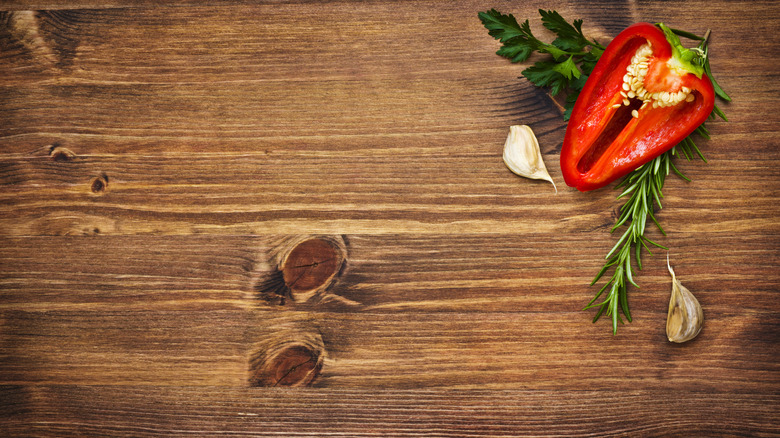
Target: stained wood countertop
{"points": [[292, 219]]}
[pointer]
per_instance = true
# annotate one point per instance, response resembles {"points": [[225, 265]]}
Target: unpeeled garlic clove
{"points": [[522, 154], [685, 318]]}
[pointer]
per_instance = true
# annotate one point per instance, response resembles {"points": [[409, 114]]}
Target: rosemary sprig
{"points": [[644, 186]]}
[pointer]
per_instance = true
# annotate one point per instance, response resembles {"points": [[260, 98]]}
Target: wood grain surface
{"points": [[292, 219]]}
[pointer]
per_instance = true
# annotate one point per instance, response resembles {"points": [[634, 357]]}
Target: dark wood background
{"points": [[292, 219]]}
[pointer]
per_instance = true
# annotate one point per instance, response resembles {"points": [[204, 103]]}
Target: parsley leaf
{"points": [[588, 62], [516, 53], [573, 55], [544, 74], [570, 37], [568, 68], [502, 27], [518, 40]]}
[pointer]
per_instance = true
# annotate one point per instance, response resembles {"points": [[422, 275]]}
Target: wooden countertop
{"points": [[292, 219]]}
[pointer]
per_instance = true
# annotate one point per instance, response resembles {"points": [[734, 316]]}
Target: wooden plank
{"points": [[387, 273], [348, 193], [487, 312], [165, 411], [522, 349], [175, 92]]}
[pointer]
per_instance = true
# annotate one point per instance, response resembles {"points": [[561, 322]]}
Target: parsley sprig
{"points": [[572, 55]]}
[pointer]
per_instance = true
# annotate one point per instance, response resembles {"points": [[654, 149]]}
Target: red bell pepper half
{"points": [[645, 95]]}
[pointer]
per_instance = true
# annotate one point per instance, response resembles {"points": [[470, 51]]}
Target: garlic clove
{"points": [[522, 154], [685, 318]]}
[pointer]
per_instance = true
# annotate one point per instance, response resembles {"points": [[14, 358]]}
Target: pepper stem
{"points": [[689, 60]]}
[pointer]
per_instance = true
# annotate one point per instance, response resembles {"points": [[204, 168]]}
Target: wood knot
{"points": [[311, 265], [302, 270], [61, 154], [99, 184], [49, 38], [289, 362]]}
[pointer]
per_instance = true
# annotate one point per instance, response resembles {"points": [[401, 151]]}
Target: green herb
{"points": [[573, 55], [644, 185]]}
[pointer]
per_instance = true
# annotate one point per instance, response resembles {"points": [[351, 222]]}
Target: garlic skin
{"points": [[685, 318], [522, 154]]}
